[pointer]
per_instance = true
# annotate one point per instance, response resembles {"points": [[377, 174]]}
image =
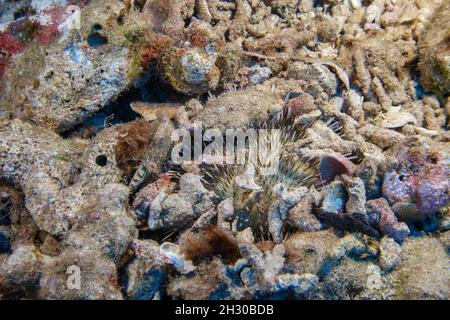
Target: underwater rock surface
{"points": [[98, 97]]}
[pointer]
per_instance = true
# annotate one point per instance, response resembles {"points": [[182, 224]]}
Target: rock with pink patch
{"points": [[39, 23], [63, 63], [418, 186], [386, 220]]}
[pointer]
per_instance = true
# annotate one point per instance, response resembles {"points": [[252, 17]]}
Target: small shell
{"points": [[396, 118], [340, 72], [426, 132], [151, 112], [171, 254]]}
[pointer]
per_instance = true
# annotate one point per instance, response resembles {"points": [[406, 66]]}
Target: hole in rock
{"points": [[96, 39], [101, 160], [97, 27], [23, 12]]}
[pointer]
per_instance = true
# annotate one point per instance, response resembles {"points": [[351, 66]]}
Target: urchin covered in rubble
{"points": [[358, 211]]}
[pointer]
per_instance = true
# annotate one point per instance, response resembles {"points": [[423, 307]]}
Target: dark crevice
{"points": [[150, 89]]}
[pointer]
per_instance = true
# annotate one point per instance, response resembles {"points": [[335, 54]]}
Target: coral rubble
{"points": [[349, 99]]}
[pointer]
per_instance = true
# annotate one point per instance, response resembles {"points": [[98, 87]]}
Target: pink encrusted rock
{"points": [[41, 23], [418, 186], [387, 222], [300, 105], [59, 70]]}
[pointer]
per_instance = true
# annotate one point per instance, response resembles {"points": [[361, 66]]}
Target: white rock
{"points": [[258, 74]]}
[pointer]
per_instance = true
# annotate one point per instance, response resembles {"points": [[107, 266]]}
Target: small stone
{"points": [[299, 284], [382, 137], [225, 213], [246, 235], [146, 273], [191, 71], [422, 271], [356, 195], [279, 209], [168, 212], [387, 222], [303, 104], [445, 223], [335, 197], [314, 73], [258, 74], [247, 181], [389, 253], [267, 264], [20, 268], [347, 280], [203, 206], [146, 195], [301, 216], [354, 105], [352, 245], [192, 188], [309, 252], [205, 220]]}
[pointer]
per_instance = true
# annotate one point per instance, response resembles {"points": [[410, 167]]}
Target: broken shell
{"points": [[334, 164], [171, 254], [395, 118], [151, 112]]}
